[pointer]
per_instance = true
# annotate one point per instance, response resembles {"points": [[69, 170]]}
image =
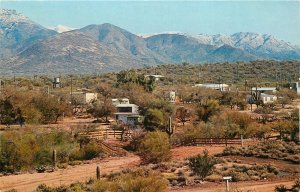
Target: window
{"points": [[125, 109]]}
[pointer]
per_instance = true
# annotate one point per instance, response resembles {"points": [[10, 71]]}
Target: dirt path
{"points": [[28, 182], [261, 186], [188, 151]]}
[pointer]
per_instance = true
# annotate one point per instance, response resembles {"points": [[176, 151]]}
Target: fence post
{"points": [[226, 142], [54, 159], [98, 172], [242, 141]]}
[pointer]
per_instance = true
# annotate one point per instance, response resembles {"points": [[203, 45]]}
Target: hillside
{"points": [[17, 32], [28, 48]]}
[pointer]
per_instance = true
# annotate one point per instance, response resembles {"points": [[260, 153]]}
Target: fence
{"points": [[107, 134], [218, 141]]}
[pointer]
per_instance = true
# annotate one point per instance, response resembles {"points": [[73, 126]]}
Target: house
{"points": [[155, 77], [265, 98], [264, 89], [219, 86], [84, 98], [116, 102], [128, 113], [172, 96]]}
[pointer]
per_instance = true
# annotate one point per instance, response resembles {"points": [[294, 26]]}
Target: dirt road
{"points": [[28, 182], [259, 186]]}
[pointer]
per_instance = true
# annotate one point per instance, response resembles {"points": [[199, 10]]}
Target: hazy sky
{"points": [[281, 19]]}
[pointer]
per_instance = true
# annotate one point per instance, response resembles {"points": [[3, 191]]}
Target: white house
{"points": [[116, 102], [84, 98], [266, 98], [264, 89], [155, 77], [221, 86], [128, 113], [172, 96]]}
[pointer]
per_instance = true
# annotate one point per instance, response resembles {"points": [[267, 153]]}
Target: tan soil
{"points": [[28, 182], [185, 152], [259, 186]]}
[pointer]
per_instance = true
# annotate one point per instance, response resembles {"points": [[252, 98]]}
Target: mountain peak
{"points": [[9, 15]]}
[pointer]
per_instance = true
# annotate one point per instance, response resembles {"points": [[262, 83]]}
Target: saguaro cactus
{"points": [[98, 172], [170, 128], [54, 159]]}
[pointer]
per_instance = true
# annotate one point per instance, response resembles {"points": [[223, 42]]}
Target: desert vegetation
{"points": [[39, 122]]}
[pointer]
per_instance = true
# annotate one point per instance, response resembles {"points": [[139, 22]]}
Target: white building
{"points": [[155, 77], [172, 96], [128, 113], [266, 98], [264, 89], [221, 86], [84, 98], [116, 102]]}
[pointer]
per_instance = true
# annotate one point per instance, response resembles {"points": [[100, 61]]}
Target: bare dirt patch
{"points": [[28, 182], [188, 151]]}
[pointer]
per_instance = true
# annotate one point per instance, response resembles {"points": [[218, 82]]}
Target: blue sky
{"points": [[278, 18]]}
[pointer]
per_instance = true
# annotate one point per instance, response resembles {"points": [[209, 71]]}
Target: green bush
{"points": [[155, 148], [138, 180], [202, 165]]}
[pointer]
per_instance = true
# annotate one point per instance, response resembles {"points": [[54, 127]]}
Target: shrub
{"points": [[155, 148], [91, 150], [137, 137], [202, 165], [138, 180], [214, 178]]}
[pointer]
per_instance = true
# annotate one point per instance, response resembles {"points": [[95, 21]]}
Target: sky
{"points": [[278, 18]]}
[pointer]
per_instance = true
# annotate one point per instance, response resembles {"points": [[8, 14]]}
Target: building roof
{"points": [[120, 99], [212, 85], [156, 76], [267, 95], [264, 88], [126, 105], [126, 113]]}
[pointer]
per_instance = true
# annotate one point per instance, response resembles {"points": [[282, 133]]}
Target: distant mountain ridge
{"points": [[18, 32], [29, 48]]}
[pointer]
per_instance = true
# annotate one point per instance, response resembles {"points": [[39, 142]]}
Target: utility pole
{"points": [[71, 88]]}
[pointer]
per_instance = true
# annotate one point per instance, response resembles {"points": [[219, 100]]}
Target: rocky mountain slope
{"points": [[29, 48], [17, 32]]}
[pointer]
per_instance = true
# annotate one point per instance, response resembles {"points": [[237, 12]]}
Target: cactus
{"points": [[169, 129], [98, 172], [54, 159]]}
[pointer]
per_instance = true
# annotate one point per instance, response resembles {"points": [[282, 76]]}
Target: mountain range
{"points": [[29, 48]]}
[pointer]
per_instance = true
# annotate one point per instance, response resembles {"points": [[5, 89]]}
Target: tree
{"points": [[155, 147], [229, 98], [183, 114], [154, 119], [202, 165], [207, 109], [7, 112], [51, 108], [101, 109]]}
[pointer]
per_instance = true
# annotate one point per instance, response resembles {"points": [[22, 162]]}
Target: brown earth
{"points": [[258, 186], [185, 152], [28, 182]]}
